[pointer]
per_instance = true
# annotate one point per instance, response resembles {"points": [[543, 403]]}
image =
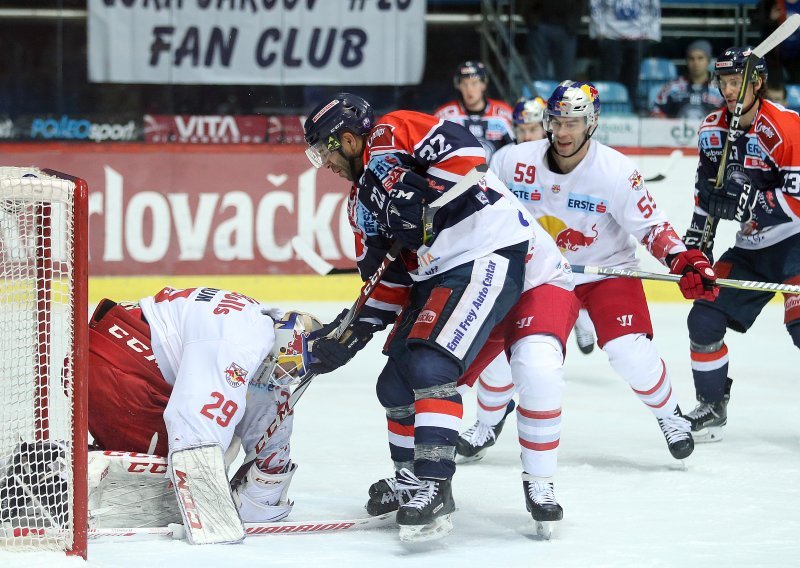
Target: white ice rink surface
{"points": [[626, 502]]}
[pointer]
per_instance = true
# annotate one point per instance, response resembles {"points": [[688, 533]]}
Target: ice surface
{"points": [[626, 502]]}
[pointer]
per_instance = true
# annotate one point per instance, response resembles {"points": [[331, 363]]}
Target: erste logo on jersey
{"points": [[586, 204], [235, 375], [754, 156]]}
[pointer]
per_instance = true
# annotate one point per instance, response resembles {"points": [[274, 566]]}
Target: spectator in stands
{"points": [[783, 61], [489, 120], [552, 36], [777, 94], [693, 96], [622, 29]]}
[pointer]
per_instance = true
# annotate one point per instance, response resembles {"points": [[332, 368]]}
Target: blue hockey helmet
{"points": [[326, 122], [734, 59], [468, 70]]}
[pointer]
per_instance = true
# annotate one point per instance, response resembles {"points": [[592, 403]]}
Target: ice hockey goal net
{"points": [[43, 336]]}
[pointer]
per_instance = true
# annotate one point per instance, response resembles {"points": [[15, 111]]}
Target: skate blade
{"points": [[461, 460], [708, 435], [439, 528], [544, 529]]}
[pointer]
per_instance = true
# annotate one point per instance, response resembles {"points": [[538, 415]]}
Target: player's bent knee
{"points": [[706, 325], [261, 497], [537, 366], [633, 355]]}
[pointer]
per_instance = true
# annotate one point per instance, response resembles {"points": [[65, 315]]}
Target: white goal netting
{"points": [[37, 357]]}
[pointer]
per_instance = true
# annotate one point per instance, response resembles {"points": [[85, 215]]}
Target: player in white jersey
{"points": [[199, 368], [594, 202], [495, 384]]}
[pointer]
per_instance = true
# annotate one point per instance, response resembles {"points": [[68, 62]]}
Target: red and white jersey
{"points": [[595, 213], [208, 344], [493, 126]]}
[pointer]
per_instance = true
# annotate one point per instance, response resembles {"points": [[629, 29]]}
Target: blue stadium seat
{"points": [[614, 98], [654, 71], [793, 97]]}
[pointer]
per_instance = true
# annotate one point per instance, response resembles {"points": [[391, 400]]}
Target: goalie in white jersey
{"points": [[190, 375], [593, 201]]}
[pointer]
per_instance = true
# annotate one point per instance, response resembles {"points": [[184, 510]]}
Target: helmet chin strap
{"points": [[585, 140]]}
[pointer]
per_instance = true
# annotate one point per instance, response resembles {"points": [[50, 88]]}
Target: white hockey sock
{"points": [[495, 389]]}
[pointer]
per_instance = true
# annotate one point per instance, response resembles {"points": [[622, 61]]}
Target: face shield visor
{"points": [[319, 154]]}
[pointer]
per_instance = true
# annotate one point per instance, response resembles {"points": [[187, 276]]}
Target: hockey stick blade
{"points": [[781, 33], [176, 531], [671, 161], [721, 282], [315, 261]]}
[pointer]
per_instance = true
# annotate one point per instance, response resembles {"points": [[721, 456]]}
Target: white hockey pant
{"points": [[495, 388]]}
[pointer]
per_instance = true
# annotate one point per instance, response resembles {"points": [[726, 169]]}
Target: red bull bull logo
{"points": [[235, 375], [572, 239], [295, 346]]}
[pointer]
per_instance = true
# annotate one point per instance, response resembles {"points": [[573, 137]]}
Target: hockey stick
{"points": [[722, 282], [787, 28], [315, 261], [176, 531], [470, 179], [662, 174]]}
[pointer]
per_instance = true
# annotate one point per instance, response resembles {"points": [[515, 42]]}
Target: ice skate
{"points": [[384, 497], [540, 500], [427, 515], [677, 432], [473, 444], [584, 339], [708, 418]]}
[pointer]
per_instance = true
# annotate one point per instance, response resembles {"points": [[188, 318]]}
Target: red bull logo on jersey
{"points": [[572, 239], [586, 204], [636, 180], [235, 375], [295, 346]]}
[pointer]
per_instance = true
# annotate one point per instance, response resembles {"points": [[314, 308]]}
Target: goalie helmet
{"points": [[573, 99], [325, 123], [289, 359], [529, 111], [468, 70]]}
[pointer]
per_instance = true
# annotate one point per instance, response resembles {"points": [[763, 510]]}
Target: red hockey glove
{"points": [[698, 280]]}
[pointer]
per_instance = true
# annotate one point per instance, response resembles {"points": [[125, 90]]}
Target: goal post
{"points": [[43, 360]]}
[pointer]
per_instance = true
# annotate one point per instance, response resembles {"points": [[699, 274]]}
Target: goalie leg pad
{"points": [[262, 496], [127, 489], [209, 513]]}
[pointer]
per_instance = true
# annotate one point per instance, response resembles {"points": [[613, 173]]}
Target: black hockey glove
{"points": [[328, 354], [404, 216], [735, 199]]}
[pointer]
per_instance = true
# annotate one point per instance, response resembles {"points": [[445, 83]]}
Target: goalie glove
{"points": [[328, 353], [698, 280]]}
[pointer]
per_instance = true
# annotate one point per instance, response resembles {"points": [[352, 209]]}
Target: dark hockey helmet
{"points": [[324, 125], [470, 69], [734, 59]]}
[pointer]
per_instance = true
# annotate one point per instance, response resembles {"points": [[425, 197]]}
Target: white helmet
{"points": [[288, 361], [528, 111], [573, 99]]}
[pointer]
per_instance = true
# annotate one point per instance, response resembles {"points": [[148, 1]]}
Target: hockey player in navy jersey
{"points": [[761, 191], [453, 289], [489, 120]]}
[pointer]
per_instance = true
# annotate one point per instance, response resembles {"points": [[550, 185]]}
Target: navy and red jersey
{"points": [[770, 152], [492, 126], [484, 219], [682, 99]]}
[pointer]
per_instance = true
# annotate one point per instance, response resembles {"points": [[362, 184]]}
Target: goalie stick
{"points": [[662, 174], [722, 282], [787, 28], [469, 180], [176, 531]]}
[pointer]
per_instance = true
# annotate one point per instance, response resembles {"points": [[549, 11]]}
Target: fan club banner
{"points": [[257, 42], [188, 210]]}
